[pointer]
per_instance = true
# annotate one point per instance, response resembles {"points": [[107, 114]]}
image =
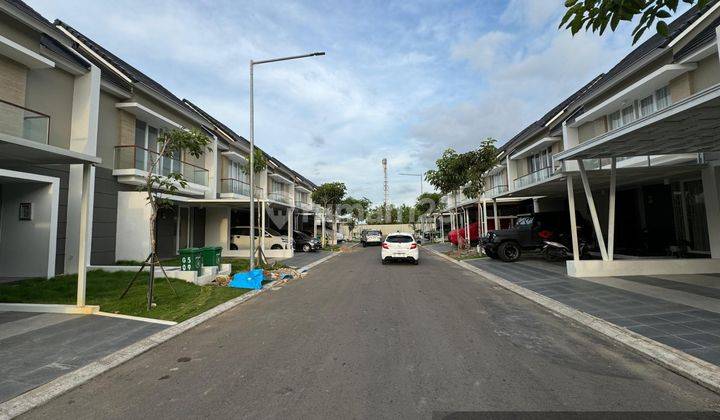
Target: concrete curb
{"points": [[697, 370], [44, 393]]}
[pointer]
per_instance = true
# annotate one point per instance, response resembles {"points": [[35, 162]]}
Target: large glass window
{"points": [[615, 120], [628, 114], [647, 106], [662, 98]]}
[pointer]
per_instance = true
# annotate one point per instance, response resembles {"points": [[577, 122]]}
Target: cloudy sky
{"points": [[401, 80]]}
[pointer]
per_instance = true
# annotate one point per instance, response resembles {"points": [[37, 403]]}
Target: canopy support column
{"points": [[593, 210]]}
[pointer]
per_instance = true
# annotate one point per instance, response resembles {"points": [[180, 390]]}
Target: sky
{"points": [[401, 80]]}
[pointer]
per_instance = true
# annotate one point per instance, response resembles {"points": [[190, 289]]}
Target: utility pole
{"points": [[252, 148], [386, 189]]}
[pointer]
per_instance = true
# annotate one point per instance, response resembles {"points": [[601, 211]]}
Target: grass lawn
{"points": [[104, 289]]}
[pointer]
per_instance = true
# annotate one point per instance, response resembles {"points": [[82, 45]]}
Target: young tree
{"points": [[448, 178], [173, 143], [476, 164], [597, 15], [329, 196]]}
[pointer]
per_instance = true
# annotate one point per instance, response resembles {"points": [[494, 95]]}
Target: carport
{"points": [[30, 204], [688, 126]]}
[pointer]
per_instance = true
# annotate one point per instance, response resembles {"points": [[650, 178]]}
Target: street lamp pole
{"points": [[252, 146]]}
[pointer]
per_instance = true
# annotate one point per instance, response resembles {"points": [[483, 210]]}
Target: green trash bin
{"points": [[211, 255], [191, 259]]}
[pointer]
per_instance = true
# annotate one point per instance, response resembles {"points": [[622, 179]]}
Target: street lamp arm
{"points": [[294, 57]]}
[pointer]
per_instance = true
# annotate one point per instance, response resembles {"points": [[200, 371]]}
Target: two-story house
{"points": [[49, 102]]}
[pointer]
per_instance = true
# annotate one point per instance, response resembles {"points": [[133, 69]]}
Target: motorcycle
{"points": [[555, 251]]}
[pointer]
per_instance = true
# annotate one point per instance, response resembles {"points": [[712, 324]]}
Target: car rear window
{"points": [[373, 232], [399, 239]]}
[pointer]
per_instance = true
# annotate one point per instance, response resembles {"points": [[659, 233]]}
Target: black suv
{"points": [[530, 233]]}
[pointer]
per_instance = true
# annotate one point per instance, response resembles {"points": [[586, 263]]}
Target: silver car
{"points": [[371, 237]]}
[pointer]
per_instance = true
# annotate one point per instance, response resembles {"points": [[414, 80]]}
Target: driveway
{"points": [[36, 348], [357, 339]]}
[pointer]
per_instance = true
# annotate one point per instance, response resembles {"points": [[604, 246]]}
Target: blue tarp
{"points": [[248, 279]]}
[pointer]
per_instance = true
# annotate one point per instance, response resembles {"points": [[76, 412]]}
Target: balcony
{"points": [[132, 163], [496, 190], [533, 177], [280, 197], [24, 123], [234, 186]]}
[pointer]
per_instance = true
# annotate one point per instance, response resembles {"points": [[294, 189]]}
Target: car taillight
{"points": [[413, 246], [385, 245]]}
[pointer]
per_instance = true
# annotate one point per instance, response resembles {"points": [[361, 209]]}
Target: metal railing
{"points": [[136, 157], [25, 123], [280, 197], [234, 186], [496, 190], [533, 177]]}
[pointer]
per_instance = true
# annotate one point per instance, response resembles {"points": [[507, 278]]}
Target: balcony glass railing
{"points": [[136, 157], [280, 197], [496, 190], [25, 123], [234, 186], [533, 177]]}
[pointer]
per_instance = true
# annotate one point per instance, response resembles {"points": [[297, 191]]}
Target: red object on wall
{"points": [[453, 235]]}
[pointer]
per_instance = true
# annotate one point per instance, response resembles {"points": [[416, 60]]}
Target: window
{"points": [[628, 115], [647, 106], [662, 98], [656, 101], [540, 160], [146, 137], [615, 120], [399, 239]]}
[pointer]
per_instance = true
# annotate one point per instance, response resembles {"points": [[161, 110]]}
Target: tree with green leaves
{"points": [[448, 178], [259, 162], [329, 196], [174, 143], [476, 164], [427, 203], [355, 208], [598, 15]]}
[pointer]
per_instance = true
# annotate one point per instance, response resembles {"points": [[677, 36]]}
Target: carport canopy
{"points": [[16, 150]]}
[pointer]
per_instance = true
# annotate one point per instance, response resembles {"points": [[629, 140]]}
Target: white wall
{"points": [[133, 224], [217, 227], [27, 248]]}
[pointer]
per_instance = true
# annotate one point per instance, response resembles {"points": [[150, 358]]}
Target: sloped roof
{"points": [[540, 124], [655, 42], [703, 37], [126, 69]]}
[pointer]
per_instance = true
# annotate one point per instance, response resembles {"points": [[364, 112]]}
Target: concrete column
{"points": [[573, 220], [314, 227], [536, 205], [83, 139], [711, 193], [290, 228], [611, 209], [495, 214], [511, 172], [485, 217], [85, 208], [593, 211], [442, 228], [262, 227], [322, 228]]}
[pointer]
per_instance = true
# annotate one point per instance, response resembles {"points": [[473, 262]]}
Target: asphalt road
{"points": [[356, 339]]}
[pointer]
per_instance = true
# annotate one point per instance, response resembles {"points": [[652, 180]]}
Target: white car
{"points": [[240, 238], [400, 246]]}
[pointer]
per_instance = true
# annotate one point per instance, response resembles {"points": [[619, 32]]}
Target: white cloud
{"points": [[530, 13]]}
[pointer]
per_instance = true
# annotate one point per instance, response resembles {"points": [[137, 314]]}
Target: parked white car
{"points": [[240, 238], [400, 246]]}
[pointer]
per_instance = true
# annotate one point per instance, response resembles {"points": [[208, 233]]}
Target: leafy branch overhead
{"points": [[259, 162], [598, 15]]}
